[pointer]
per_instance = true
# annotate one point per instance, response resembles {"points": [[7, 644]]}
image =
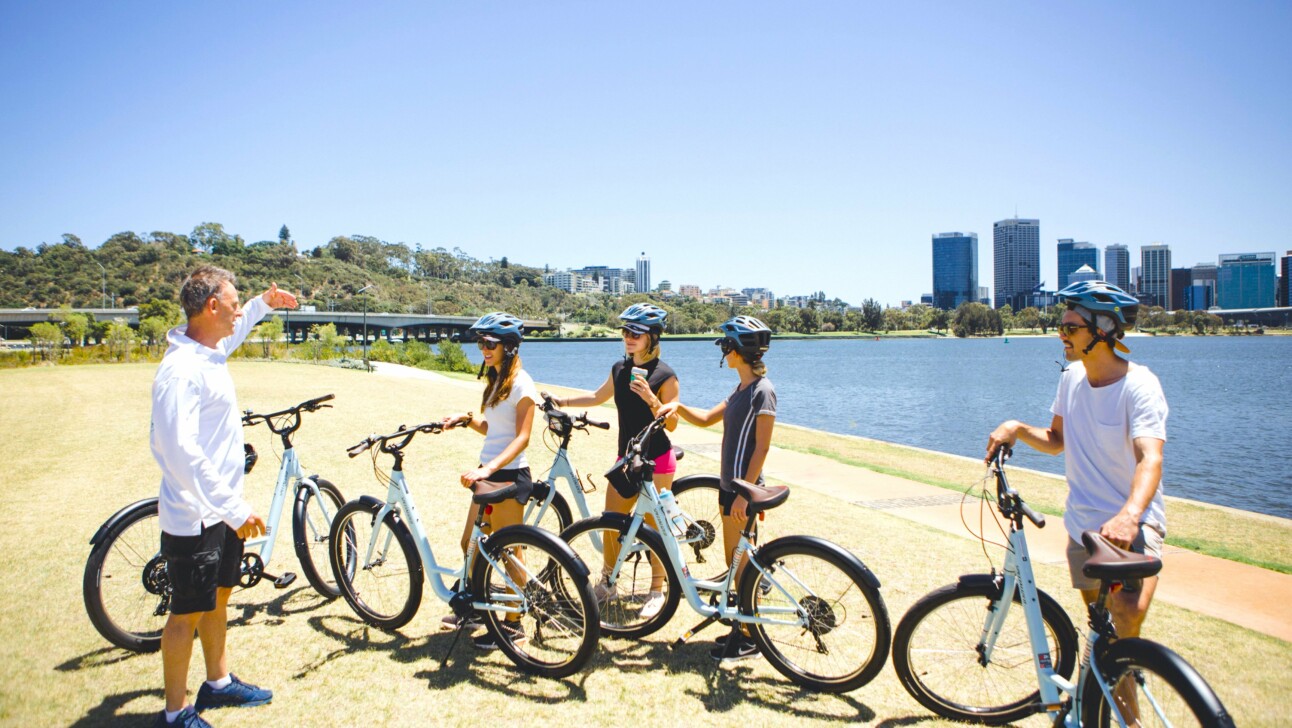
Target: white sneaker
{"points": [[653, 604], [604, 592]]}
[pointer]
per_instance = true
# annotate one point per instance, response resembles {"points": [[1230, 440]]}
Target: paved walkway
{"points": [[1245, 595]]}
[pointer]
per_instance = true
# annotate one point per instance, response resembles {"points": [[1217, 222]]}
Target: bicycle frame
{"points": [[289, 473], [400, 502], [561, 469]]}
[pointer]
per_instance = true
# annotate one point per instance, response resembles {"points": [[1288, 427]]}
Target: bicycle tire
{"points": [[937, 642], [125, 588], [560, 624], [558, 516], [1164, 681], [848, 609], [697, 496], [376, 590], [311, 529], [621, 609]]}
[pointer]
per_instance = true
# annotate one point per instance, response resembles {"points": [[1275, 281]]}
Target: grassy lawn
{"points": [[78, 450]]}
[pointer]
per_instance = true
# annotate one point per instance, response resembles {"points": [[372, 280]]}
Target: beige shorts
{"points": [[1149, 541]]}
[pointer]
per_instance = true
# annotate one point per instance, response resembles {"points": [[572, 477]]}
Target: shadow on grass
{"points": [[101, 657], [729, 684], [356, 637], [300, 600], [906, 720], [108, 712]]}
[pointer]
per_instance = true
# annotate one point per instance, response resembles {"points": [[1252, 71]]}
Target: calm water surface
{"points": [[1229, 431]]}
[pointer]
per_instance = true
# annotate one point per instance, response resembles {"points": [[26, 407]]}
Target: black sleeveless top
{"points": [[634, 413]]}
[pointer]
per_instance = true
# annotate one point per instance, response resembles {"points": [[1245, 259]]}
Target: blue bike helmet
{"points": [[643, 318], [499, 326], [747, 335], [1107, 310]]}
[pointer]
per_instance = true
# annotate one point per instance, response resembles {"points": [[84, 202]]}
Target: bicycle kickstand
{"points": [[693, 631]]}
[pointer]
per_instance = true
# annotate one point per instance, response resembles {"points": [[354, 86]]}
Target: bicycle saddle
{"points": [[1110, 563], [487, 491], [678, 454], [761, 498]]}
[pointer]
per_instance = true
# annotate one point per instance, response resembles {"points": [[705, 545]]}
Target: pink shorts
{"points": [[666, 464]]}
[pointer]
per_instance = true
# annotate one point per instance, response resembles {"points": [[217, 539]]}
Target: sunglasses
{"points": [[726, 345], [631, 334], [486, 345], [1069, 329]]}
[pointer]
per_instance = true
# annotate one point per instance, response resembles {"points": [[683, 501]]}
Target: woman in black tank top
{"points": [[640, 383]]}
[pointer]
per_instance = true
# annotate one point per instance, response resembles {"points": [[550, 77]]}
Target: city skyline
{"points": [[799, 149]]}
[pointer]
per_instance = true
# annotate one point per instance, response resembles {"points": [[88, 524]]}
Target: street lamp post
{"points": [[366, 366], [105, 282]]}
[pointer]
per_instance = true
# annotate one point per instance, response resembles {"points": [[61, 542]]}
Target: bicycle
{"points": [[813, 608], [125, 587], [963, 652], [380, 552], [548, 509]]}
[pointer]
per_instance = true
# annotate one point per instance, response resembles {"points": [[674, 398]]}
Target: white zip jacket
{"points": [[196, 431]]}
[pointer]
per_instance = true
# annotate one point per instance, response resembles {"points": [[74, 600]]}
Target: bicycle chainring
{"points": [[253, 568], [156, 580]]}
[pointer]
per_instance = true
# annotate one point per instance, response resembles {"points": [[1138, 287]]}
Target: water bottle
{"points": [[677, 521]]}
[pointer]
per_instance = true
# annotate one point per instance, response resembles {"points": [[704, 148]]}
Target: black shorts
{"points": [[196, 565], [519, 476]]}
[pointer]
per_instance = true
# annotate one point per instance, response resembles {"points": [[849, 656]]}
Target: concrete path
{"points": [[1245, 595]]}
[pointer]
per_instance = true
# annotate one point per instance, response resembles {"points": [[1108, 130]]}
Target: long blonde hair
{"points": [[499, 387]]}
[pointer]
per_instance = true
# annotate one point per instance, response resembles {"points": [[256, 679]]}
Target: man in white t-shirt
{"points": [[196, 437], [1110, 421]]}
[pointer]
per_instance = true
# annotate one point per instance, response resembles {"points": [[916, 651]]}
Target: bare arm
{"points": [[601, 396], [479, 424], [1047, 440], [698, 417], [668, 392], [763, 425], [1122, 528]]}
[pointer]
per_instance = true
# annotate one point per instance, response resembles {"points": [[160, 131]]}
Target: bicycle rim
{"points": [[384, 587], [844, 644], [1155, 687], [130, 589], [627, 608], [702, 544], [313, 526]]}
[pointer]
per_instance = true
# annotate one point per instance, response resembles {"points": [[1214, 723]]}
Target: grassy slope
{"points": [[78, 450]]}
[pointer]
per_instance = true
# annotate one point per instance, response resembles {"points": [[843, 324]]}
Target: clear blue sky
{"points": [[796, 146]]}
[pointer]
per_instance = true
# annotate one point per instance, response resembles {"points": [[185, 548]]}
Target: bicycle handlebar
{"points": [[578, 422], [310, 405], [403, 435], [1008, 499]]}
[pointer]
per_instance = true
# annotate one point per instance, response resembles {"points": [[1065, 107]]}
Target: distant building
{"points": [[984, 295], [571, 282], [1285, 289], [1084, 273], [643, 273], [1199, 297], [927, 298], [1246, 280], [1155, 283], [1205, 274], [1072, 256], [1181, 278], [690, 290], [955, 269], [665, 286], [1117, 266], [1016, 244]]}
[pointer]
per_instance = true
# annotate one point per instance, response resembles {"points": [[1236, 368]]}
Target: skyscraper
{"points": [[1181, 279], [643, 274], [1017, 252], [955, 269], [1071, 257], [1284, 288], [1155, 284], [1117, 266], [1246, 280]]}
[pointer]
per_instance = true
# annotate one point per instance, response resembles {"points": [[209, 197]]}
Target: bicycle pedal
{"points": [[285, 580]]}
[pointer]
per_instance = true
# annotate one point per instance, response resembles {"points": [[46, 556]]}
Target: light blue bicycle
{"points": [[965, 652], [526, 585]]}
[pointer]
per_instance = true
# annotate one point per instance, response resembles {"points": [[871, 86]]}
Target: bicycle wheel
{"points": [[1155, 687], [697, 496], [845, 642], [622, 604], [311, 527], [376, 564], [937, 653], [558, 628], [126, 590], [557, 516]]}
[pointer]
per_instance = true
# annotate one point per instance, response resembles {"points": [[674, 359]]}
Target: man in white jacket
{"points": [[197, 440]]}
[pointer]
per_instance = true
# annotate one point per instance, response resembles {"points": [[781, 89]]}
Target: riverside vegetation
{"points": [[84, 431]]}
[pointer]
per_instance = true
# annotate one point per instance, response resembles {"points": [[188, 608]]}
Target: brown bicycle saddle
{"points": [[761, 498], [487, 491], [1111, 563]]}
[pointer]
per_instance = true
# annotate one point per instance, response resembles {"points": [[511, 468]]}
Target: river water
{"points": [[1229, 433]]}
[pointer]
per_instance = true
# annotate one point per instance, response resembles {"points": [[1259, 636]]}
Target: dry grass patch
{"points": [[78, 442]]}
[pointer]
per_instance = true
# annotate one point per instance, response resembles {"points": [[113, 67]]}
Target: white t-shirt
{"points": [[502, 422], [1099, 427]]}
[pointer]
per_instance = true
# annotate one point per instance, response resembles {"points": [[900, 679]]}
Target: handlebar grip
{"points": [[357, 450], [1032, 515], [594, 423]]}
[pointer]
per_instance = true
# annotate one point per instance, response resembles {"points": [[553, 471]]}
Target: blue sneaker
{"points": [[236, 694], [187, 718]]}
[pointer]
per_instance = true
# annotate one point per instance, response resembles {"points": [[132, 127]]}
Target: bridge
{"points": [[16, 323]]}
